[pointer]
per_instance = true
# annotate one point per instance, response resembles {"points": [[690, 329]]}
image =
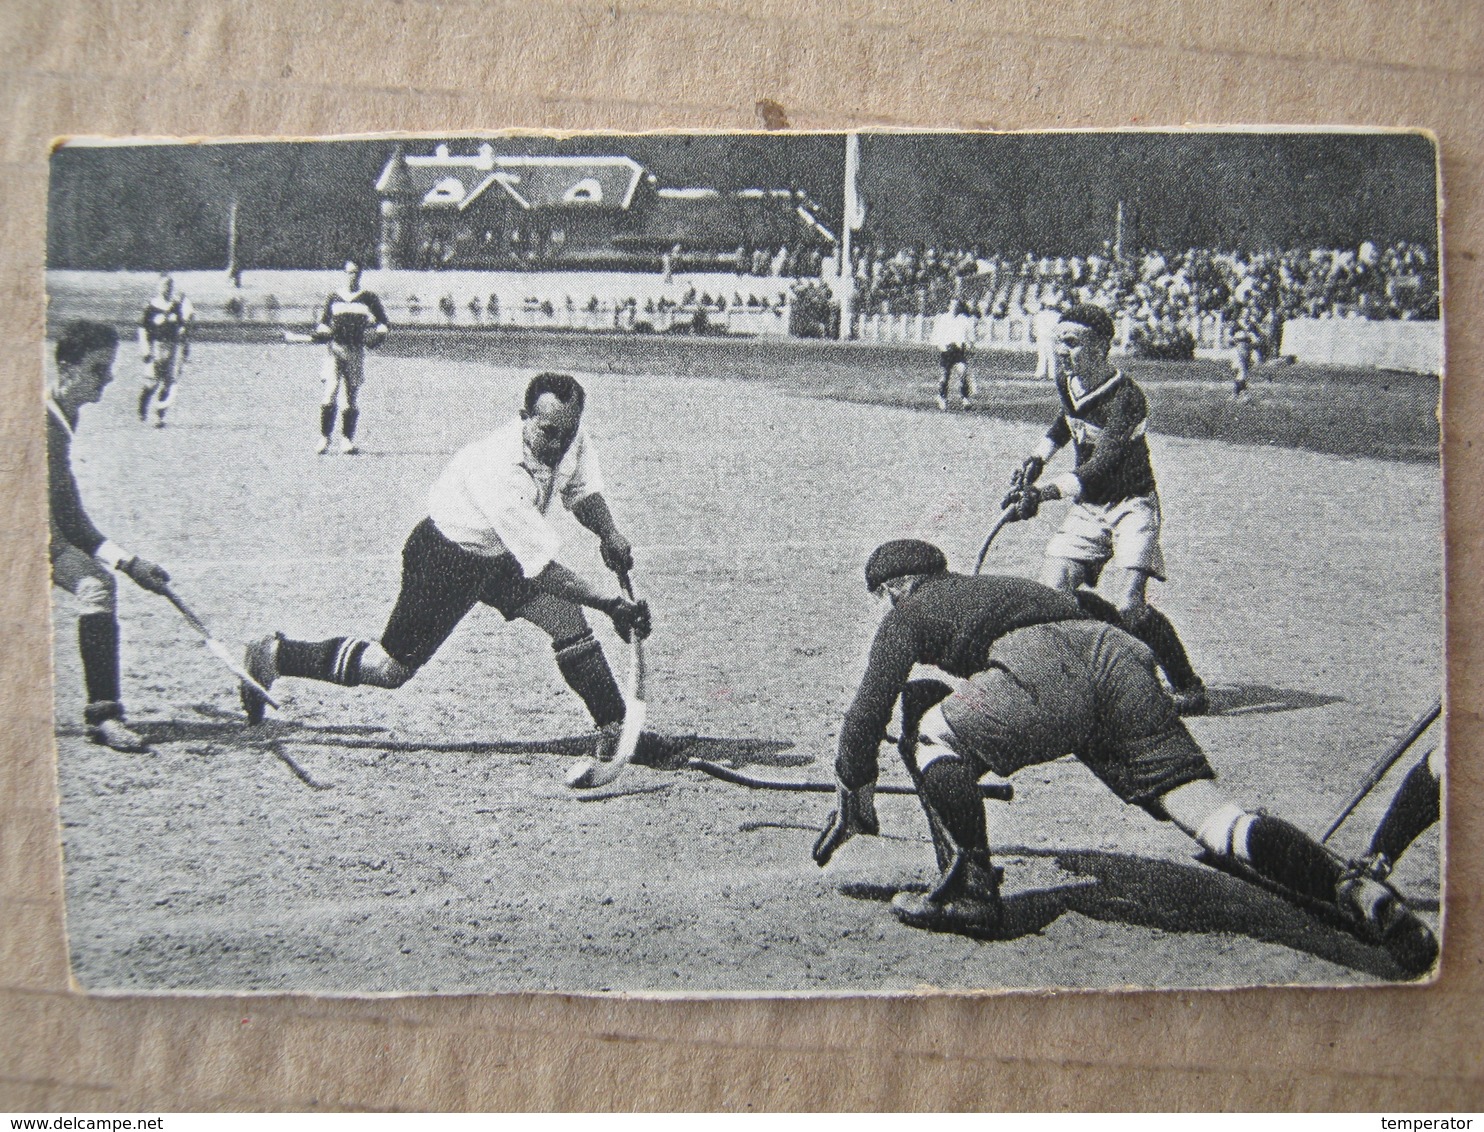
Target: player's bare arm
{"points": [[593, 513], [627, 616]]}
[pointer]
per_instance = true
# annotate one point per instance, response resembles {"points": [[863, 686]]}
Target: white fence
{"points": [[593, 301], [1400, 344], [1016, 333]]}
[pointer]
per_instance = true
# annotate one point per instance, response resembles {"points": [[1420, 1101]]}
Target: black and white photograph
{"points": [[748, 563]]}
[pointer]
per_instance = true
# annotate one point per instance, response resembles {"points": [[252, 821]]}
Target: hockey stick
{"points": [[1385, 763], [999, 791], [1006, 516], [215, 647], [298, 338], [590, 773]]}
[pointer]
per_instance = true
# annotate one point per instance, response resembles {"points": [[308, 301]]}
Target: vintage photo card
{"points": [[747, 564]]}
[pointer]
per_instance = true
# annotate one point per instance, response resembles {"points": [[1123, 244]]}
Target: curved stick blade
{"points": [[1005, 516]]}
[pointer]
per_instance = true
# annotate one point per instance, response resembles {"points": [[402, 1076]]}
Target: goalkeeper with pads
{"points": [[1041, 677]]}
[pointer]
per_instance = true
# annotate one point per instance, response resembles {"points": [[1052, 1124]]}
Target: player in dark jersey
{"points": [[82, 560], [1111, 530], [1041, 677], [163, 347], [352, 321]]}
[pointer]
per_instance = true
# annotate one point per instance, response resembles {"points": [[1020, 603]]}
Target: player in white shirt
{"points": [[1043, 329], [953, 333], [487, 540]]}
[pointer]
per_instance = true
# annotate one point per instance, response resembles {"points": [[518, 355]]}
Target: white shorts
{"points": [[1125, 533]]}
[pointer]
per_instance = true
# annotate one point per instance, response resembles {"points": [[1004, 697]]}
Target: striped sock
{"points": [[336, 661]]}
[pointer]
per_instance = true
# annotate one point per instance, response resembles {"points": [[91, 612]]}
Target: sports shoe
{"points": [[605, 742], [942, 404], [1193, 700], [261, 662], [321, 446], [1379, 915], [964, 402], [966, 900], [348, 446], [117, 735]]}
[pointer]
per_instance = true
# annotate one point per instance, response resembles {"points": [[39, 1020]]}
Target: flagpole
{"points": [[850, 219]]}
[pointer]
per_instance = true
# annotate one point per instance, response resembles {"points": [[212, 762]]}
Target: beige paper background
{"points": [[286, 67]]}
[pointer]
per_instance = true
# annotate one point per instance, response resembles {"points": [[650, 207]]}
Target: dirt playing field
{"points": [[422, 840]]}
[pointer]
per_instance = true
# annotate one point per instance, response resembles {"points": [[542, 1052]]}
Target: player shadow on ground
{"points": [[1262, 699], [218, 725], [1169, 897]]}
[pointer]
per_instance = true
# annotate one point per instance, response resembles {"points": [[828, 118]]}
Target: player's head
{"points": [[1083, 337], [352, 274], [166, 285], [85, 352], [552, 413], [898, 567]]}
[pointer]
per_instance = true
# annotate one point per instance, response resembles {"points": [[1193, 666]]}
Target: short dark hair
{"points": [[1092, 316], [81, 337], [564, 387]]}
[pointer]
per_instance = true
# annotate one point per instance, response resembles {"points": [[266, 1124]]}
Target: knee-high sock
{"points": [[1416, 806], [348, 421], [336, 661], [950, 786], [1286, 854], [586, 671], [327, 420], [1154, 629], [98, 640], [144, 395]]}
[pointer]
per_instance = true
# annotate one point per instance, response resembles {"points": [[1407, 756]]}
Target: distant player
{"points": [[82, 560], [487, 541], [953, 334], [1111, 530], [353, 321], [1040, 678], [1043, 329], [1244, 348], [164, 346]]}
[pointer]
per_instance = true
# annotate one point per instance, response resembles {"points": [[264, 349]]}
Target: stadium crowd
{"points": [[1156, 294]]}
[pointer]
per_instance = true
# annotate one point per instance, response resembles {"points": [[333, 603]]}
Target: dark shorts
{"points": [[1081, 688], [952, 356], [441, 582]]}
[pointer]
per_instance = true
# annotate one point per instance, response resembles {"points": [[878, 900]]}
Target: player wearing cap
{"points": [[1111, 530], [163, 347], [1040, 677], [487, 541], [82, 560]]}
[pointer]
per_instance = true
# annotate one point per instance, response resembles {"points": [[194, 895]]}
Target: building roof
{"points": [[450, 180], [708, 218]]}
